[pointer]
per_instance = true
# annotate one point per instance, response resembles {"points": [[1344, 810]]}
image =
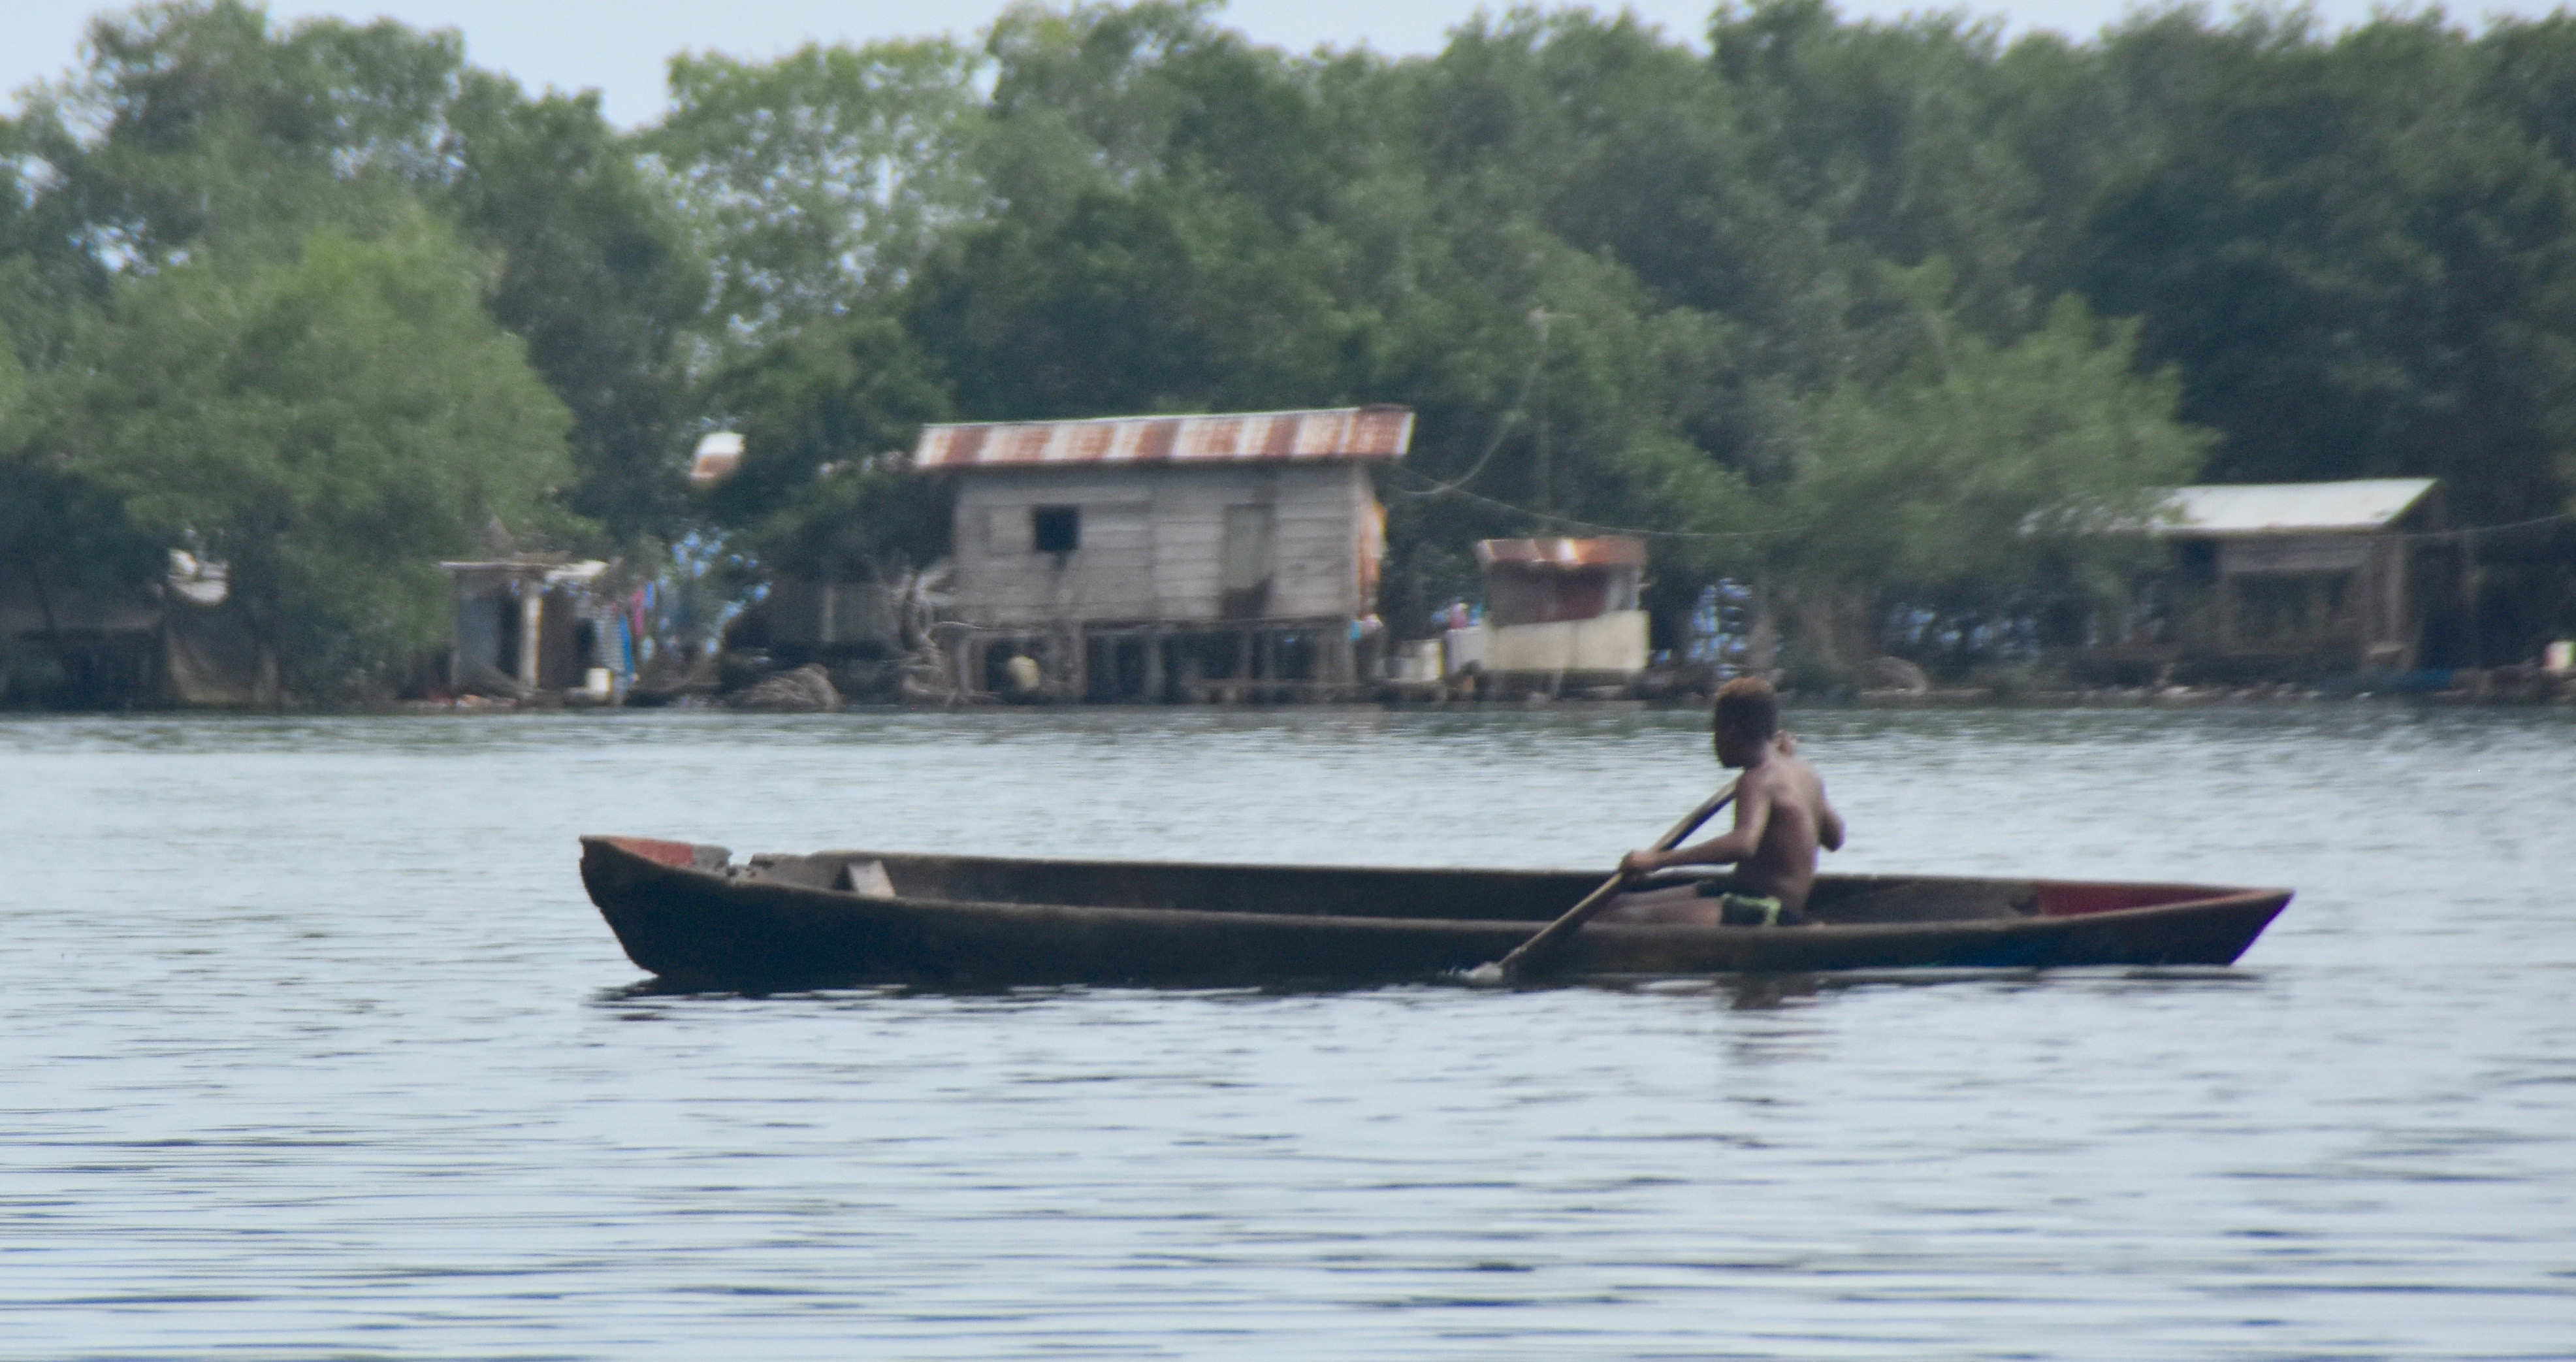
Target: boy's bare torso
{"points": [[1783, 864], [1781, 819]]}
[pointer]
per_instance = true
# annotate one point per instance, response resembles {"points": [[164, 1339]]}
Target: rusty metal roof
{"points": [[2289, 508], [1614, 551], [1243, 437]]}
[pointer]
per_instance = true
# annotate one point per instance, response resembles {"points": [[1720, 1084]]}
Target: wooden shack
{"points": [[533, 623], [1558, 613], [1194, 558], [169, 642], [2298, 579], [805, 620]]}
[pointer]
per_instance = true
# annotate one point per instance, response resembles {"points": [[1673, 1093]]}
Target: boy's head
{"points": [[1745, 720]]}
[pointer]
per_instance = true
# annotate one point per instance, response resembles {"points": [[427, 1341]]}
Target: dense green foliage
{"points": [[597, 273], [331, 426], [60, 533], [818, 181], [827, 419], [1837, 306]]}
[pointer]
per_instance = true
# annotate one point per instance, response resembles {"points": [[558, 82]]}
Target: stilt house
{"points": [[1150, 558], [168, 643]]}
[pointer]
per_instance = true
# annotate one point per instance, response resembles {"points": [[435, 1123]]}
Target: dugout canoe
{"points": [[691, 915]]}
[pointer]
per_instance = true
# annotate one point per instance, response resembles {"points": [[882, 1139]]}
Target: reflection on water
{"points": [[316, 1051]]}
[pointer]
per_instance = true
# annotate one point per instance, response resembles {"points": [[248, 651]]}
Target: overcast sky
{"points": [[620, 48]]}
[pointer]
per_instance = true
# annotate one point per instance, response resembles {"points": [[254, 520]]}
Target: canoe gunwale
{"points": [[2200, 894], [2205, 895]]}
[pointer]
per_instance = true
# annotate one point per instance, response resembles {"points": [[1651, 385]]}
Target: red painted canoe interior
{"points": [[2076, 900], [681, 854]]}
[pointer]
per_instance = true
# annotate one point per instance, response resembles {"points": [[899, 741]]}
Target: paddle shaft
{"points": [[1598, 899]]}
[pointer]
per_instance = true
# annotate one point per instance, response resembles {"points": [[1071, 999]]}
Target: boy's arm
{"points": [[1829, 826], [1752, 817]]}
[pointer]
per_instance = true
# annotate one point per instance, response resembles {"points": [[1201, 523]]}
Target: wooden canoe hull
{"points": [[683, 914]]}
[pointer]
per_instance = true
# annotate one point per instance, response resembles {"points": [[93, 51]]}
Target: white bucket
{"points": [[595, 682], [2559, 656]]}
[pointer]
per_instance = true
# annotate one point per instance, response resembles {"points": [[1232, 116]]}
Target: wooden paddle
{"points": [[1511, 966]]}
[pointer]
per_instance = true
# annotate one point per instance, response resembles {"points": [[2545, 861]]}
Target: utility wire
{"points": [[1529, 381], [2471, 530], [1501, 429], [1458, 486], [1570, 522]]}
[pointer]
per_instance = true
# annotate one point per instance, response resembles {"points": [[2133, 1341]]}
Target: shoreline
{"points": [[2547, 693]]}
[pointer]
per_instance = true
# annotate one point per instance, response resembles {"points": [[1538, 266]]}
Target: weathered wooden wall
{"points": [[2357, 589], [811, 618], [1154, 544]]}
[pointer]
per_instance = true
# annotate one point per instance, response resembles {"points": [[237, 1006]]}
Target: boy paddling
{"points": [[1781, 817]]}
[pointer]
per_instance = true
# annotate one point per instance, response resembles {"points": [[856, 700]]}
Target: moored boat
{"points": [[691, 915]]}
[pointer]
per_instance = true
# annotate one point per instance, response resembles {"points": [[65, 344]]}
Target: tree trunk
{"points": [[265, 692], [1832, 633], [53, 626]]}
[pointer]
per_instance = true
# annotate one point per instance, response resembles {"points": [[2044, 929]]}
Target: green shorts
{"points": [[1741, 910]]}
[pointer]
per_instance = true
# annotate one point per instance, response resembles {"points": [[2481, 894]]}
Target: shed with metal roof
{"points": [[534, 622], [2223, 511], [1559, 613], [1212, 557], [2298, 579]]}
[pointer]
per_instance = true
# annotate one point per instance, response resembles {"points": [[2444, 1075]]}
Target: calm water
{"points": [[315, 1049]]}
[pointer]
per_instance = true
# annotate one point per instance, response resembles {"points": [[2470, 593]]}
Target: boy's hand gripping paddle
{"points": [[1510, 968]]}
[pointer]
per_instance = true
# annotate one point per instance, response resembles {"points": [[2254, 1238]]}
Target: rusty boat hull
{"points": [[691, 916]]}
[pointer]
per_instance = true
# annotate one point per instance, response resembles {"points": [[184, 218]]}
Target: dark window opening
{"points": [[2198, 559], [1055, 529]]}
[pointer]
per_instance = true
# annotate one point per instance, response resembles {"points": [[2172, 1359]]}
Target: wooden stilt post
{"points": [[2469, 594], [532, 614], [456, 608]]}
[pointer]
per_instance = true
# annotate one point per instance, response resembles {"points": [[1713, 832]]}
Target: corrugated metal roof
{"points": [[1613, 551], [2288, 508], [554, 570], [1336, 433]]}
